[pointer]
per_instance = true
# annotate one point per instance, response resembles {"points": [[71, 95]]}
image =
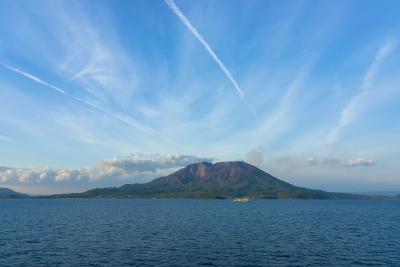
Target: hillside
{"points": [[8, 193], [219, 180]]}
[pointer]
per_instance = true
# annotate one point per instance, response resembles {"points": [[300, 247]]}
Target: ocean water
{"points": [[97, 232]]}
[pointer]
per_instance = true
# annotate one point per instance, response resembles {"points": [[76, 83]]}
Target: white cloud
{"points": [[296, 163], [255, 157], [360, 162], [120, 168], [334, 162], [312, 161], [6, 174]]}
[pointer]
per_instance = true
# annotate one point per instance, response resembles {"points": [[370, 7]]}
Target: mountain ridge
{"points": [[9, 193], [214, 181]]}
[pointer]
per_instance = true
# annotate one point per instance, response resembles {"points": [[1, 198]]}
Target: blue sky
{"points": [[91, 92]]}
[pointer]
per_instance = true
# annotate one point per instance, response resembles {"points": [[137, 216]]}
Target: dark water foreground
{"points": [[79, 232]]}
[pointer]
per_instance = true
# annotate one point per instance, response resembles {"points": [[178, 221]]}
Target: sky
{"points": [[104, 93]]}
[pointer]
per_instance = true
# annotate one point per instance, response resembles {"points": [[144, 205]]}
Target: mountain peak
{"points": [[202, 173], [219, 180], [222, 164], [197, 165]]}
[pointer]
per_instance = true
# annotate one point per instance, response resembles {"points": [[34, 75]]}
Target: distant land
{"points": [[8, 193], [379, 193], [221, 180]]}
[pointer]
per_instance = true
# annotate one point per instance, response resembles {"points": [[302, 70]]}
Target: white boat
{"points": [[241, 199]]}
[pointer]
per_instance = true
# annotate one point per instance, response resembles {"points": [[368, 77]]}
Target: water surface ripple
{"points": [[96, 232]]}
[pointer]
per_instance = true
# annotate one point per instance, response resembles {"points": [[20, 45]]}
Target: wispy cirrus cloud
{"points": [[199, 37], [275, 122], [357, 104], [280, 118], [121, 117], [6, 139], [118, 116], [90, 53]]}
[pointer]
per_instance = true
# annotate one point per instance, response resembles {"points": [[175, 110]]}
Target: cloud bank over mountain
{"points": [[132, 168]]}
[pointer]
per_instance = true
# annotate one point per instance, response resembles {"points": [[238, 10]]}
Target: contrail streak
{"points": [[117, 116], [34, 78], [194, 31]]}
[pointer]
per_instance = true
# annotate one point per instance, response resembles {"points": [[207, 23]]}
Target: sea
{"points": [[123, 232]]}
